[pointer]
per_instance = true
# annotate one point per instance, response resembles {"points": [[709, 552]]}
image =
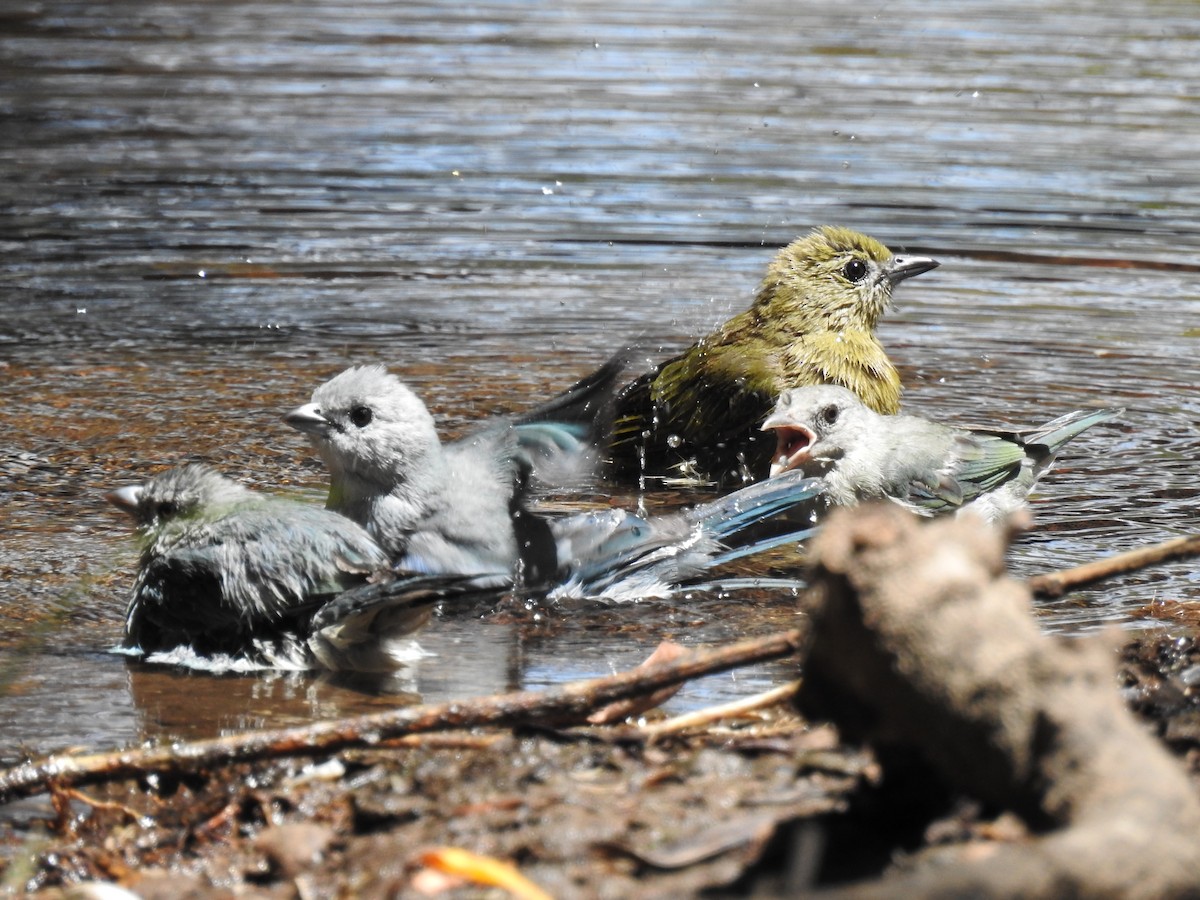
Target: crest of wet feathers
{"points": [[813, 322]]}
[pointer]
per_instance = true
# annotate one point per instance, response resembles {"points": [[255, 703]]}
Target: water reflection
{"points": [[212, 208]]}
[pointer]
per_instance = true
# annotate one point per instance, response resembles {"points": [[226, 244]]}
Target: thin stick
{"points": [[701, 718], [571, 702], [1055, 584], [128, 812]]}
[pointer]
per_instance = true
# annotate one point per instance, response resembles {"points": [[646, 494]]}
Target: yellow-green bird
{"points": [[697, 416]]}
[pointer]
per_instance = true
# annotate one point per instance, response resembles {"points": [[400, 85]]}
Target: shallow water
{"points": [[210, 208]]}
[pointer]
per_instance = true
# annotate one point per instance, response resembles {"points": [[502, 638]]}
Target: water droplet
{"points": [[674, 440]]}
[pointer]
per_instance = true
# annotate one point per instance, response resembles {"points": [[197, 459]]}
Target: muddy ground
{"points": [[763, 804]]}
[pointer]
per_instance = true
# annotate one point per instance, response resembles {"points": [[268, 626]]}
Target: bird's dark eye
{"points": [[855, 270], [165, 509], [361, 416], [829, 415]]}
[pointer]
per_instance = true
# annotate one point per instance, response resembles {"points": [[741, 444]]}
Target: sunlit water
{"points": [[210, 208]]}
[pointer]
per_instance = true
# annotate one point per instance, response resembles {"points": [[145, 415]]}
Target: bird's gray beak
{"points": [[126, 499], [907, 266], [774, 420], [308, 418]]}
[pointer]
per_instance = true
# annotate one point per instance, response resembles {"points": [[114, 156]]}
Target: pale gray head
{"points": [[179, 493], [365, 423], [815, 426]]}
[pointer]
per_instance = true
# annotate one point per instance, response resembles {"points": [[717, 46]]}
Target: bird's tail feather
{"points": [[559, 440], [587, 403], [1055, 435]]}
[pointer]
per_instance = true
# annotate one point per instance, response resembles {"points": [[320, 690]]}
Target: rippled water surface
{"points": [[208, 208]]}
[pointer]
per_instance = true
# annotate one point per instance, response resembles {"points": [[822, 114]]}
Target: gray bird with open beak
{"points": [[826, 431]]}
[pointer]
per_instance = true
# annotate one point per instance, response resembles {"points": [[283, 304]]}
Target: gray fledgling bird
{"points": [[433, 507], [233, 579], [456, 507], [929, 468], [459, 507]]}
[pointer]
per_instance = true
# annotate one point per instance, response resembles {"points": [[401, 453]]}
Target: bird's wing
{"points": [[700, 411], [180, 590], [714, 393], [616, 553], [210, 597], [732, 514], [469, 522], [732, 519], [634, 413], [555, 441], [355, 611], [599, 549], [274, 560], [976, 464]]}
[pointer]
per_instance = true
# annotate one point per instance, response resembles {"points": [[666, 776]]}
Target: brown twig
{"points": [[1055, 584], [132, 814], [570, 701]]}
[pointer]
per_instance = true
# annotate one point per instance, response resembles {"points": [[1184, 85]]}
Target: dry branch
{"points": [[702, 718], [571, 702]]}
